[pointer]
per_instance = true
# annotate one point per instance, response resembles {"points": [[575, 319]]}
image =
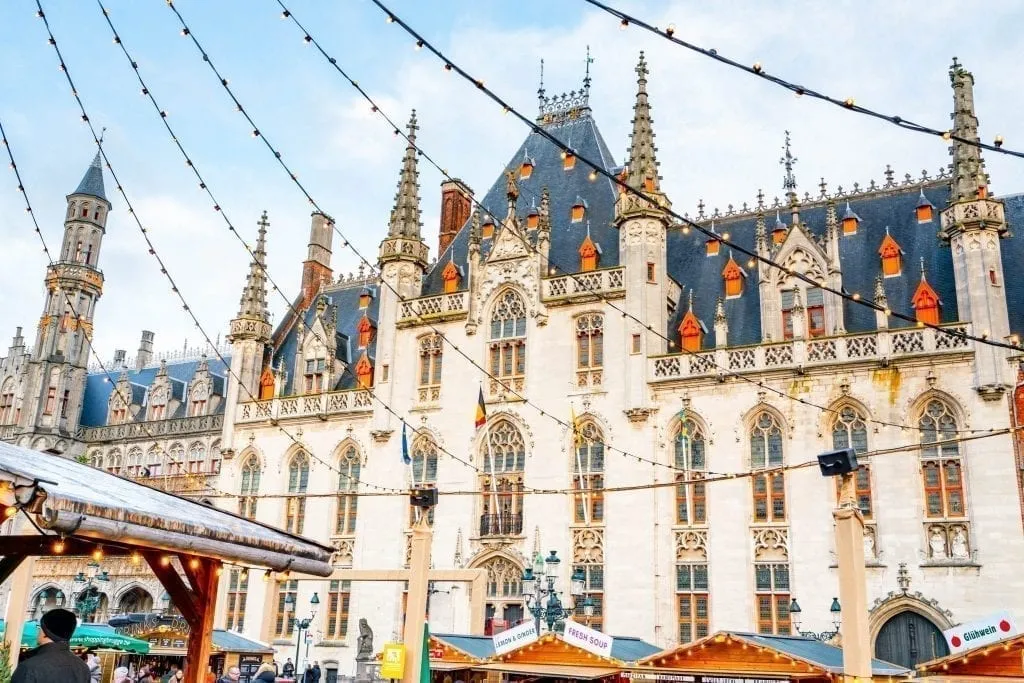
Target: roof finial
{"points": [[540, 90], [253, 305], [103, 131], [923, 277], [405, 217], [689, 302], [586, 77], [588, 227], [788, 161]]}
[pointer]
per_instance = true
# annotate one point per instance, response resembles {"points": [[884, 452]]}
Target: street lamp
{"points": [[541, 596], [301, 624], [825, 636], [87, 601]]}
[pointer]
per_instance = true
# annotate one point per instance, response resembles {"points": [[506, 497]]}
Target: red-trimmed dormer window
{"points": [[487, 231], [733, 276], [568, 161], [691, 334], [926, 304], [590, 254], [713, 246], [266, 384], [925, 210], [578, 211], [451, 277], [532, 219], [364, 372], [526, 169], [892, 256], [366, 330], [364, 300], [850, 221]]}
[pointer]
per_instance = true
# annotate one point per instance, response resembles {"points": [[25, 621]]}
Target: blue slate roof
{"points": [[824, 655], [1013, 255], [344, 296], [689, 264], [480, 647], [229, 641], [99, 387], [564, 187], [92, 181], [631, 649]]}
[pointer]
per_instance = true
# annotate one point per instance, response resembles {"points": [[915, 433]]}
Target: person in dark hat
{"points": [[53, 659]]}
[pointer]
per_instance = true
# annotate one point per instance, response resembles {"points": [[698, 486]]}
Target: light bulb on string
{"points": [[757, 67], [998, 142], [624, 24], [419, 45], [670, 30]]}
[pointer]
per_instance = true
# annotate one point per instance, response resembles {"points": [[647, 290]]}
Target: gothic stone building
{"points": [[569, 296]]}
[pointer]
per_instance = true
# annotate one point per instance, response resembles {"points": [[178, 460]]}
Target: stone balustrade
{"points": [[311, 405], [200, 424], [809, 353], [435, 308], [584, 286]]}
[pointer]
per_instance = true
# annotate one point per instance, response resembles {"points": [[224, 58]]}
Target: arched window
{"points": [[589, 349], [941, 464], [136, 600], [849, 431], [176, 459], [114, 462], [298, 481], [134, 463], [96, 459], [769, 488], [7, 402], [51, 392], [508, 342], [424, 472], [200, 395], [691, 465], [154, 462], [431, 352], [238, 593], [250, 487], [501, 485], [196, 456], [588, 475], [504, 594], [348, 486]]}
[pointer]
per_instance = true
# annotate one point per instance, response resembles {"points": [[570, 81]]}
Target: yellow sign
{"points": [[392, 664]]}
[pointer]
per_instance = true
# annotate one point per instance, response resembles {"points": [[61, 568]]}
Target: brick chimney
{"points": [[145, 353], [456, 205], [316, 269]]}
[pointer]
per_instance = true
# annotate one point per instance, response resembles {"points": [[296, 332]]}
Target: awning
{"points": [[586, 673], [88, 636], [450, 666]]}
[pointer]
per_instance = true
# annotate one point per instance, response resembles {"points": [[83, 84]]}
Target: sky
{"points": [[719, 131]]}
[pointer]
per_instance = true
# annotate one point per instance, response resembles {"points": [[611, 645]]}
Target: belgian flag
{"points": [[481, 410]]}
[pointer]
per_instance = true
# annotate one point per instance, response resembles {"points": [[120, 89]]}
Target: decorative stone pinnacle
{"points": [[253, 305], [642, 161], [720, 310], [405, 217], [968, 167], [788, 161]]}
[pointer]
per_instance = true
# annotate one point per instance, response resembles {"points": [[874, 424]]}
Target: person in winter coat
{"points": [[266, 673], [314, 675], [53, 659], [95, 672]]}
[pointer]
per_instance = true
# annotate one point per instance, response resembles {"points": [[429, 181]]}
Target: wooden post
{"points": [[17, 603], [852, 588], [416, 605], [200, 636]]}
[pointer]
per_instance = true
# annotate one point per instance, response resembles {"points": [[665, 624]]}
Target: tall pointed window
{"points": [[941, 463], [196, 457], [431, 355], [691, 466], [501, 485], [849, 431], [769, 488], [316, 366], [424, 472], [815, 312], [250, 487], [589, 349], [348, 496], [238, 590], [287, 596], [339, 597], [295, 503], [7, 402], [892, 256], [508, 342], [926, 303], [588, 475], [771, 586], [692, 597]]}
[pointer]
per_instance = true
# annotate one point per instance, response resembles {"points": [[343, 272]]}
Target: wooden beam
{"points": [[184, 597], [9, 564], [200, 637], [17, 603], [34, 544]]}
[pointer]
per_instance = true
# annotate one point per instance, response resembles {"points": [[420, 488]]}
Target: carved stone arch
{"points": [[347, 442], [828, 417], [248, 452], [894, 604], [40, 444], [799, 249], [515, 418], [427, 432], [672, 426], [916, 406], [47, 586], [750, 418], [494, 299], [130, 586], [599, 421], [293, 451]]}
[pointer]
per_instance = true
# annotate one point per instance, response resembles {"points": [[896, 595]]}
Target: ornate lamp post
{"points": [[825, 636], [58, 600], [87, 600], [542, 599], [301, 624]]}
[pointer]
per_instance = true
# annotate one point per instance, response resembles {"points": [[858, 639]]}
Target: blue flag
{"points": [[405, 447]]}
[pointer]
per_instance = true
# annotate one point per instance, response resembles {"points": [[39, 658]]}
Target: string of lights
{"points": [[855, 297], [218, 207], [163, 267], [73, 310], [757, 69], [580, 283]]}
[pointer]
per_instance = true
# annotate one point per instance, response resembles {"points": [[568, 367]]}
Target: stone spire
{"points": [[969, 180], [405, 217], [641, 161], [253, 305], [788, 161], [92, 181]]}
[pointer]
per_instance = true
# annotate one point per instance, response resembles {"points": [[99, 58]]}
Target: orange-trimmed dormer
{"points": [[366, 329], [487, 229], [691, 332], [267, 384], [364, 372], [925, 210], [578, 210], [733, 276], [452, 277], [526, 168], [892, 256], [850, 221], [532, 218], [779, 232], [926, 302], [568, 161], [621, 177], [590, 253], [365, 297]]}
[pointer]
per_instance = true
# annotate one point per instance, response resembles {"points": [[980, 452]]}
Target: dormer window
{"points": [[779, 231], [364, 300], [925, 209], [364, 372], [266, 384], [850, 221], [691, 333], [590, 254], [892, 256], [578, 211], [649, 184], [526, 169], [733, 276], [713, 246], [366, 330], [568, 161], [452, 277], [532, 219], [487, 231], [926, 303]]}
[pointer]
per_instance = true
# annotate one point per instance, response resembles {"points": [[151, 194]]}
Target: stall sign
{"points": [[437, 653], [587, 639], [981, 632], [656, 677], [517, 636], [392, 663]]}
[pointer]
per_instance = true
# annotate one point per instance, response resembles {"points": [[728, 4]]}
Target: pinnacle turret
{"points": [[92, 181], [969, 180], [405, 217], [641, 158], [253, 305]]}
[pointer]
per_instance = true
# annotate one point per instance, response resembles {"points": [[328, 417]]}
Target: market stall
{"points": [[1002, 660]]}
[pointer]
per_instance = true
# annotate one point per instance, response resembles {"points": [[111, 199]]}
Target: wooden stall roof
{"points": [[752, 653], [72, 498], [551, 650], [999, 661]]}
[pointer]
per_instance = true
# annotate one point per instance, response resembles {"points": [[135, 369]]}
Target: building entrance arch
{"points": [[909, 638]]}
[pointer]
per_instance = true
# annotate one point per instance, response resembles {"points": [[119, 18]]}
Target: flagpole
{"points": [[576, 441], [494, 489]]}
